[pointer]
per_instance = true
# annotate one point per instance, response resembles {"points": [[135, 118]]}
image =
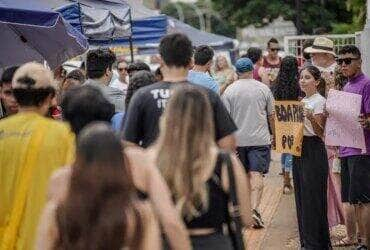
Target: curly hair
{"points": [[286, 87], [339, 79], [140, 79]]}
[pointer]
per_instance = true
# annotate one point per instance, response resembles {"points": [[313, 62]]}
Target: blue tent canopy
{"points": [[142, 20], [101, 21], [197, 37], [147, 27]]}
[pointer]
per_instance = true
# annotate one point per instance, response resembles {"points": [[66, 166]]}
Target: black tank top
{"points": [[216, 213]]}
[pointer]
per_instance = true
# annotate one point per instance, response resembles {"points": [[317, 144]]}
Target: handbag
{"points": [[234, 220]]}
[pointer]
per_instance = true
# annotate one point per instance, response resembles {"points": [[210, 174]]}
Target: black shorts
{"points": [[255, 158], [355, 179]]}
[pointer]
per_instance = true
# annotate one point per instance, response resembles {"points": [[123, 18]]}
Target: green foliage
{"points": [[314, 15], [358, 10], [336, 16], [218, 25]]}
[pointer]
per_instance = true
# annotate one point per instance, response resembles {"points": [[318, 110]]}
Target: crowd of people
{"points": [[176, 159]]}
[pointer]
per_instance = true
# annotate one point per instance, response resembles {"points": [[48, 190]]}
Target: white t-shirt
{"points": [[316, 103], [119, 85]]}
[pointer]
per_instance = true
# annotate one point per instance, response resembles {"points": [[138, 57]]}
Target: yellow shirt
{"points": [[56, 150]]}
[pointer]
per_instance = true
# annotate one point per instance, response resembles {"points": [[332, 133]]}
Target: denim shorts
{"points": [[255, 158], [287, 162]]}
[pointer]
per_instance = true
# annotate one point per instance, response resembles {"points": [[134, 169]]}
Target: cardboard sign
{"points": [[342, 126], [289, 120]]}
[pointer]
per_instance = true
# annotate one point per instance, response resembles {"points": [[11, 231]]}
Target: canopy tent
{"points": [[141, 15], [198, 37], [145, 27], [101, 21], [30, 31], [148, 26]]}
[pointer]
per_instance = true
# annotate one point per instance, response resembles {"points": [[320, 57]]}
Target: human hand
{"points": [[273, 142], [325, 113], [365, 122], [308, 113]]}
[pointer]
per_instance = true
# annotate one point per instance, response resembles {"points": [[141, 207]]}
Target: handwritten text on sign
{"points": [[342, 126], [289, 127]]}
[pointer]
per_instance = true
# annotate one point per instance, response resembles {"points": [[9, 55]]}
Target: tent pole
{"points": [[79, 16], [130, 39]]}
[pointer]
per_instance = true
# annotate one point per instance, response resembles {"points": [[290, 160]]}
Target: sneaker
{"points": [[258, 223], [362, 247]]}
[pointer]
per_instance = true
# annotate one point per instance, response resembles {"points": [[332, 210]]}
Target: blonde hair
{"points": [[185, 142], [41, 76], [216, 67]]}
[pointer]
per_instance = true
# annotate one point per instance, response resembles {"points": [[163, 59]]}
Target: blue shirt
{"points": [[204, 80], [117, 120]]}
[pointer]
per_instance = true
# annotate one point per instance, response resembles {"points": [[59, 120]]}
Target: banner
{"points": [[289, 127], [342, 126]]}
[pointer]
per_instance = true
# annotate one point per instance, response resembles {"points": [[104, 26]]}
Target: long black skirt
{"points": [[310, 175]]}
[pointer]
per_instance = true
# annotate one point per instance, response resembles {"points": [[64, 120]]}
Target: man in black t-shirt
{"points": [[147, 105]]}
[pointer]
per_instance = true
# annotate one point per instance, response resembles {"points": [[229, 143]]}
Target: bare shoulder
{"points": [[58, 184], [140, 157]]}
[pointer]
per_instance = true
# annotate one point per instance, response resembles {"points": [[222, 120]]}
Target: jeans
{"points": [[287, 162]]}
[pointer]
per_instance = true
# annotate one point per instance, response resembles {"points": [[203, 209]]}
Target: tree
{"points": [[315, 14], [218, 26], [358, 10]]}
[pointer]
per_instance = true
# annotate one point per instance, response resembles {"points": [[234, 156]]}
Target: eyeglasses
{"points": [[121, 69], [347, 61]]}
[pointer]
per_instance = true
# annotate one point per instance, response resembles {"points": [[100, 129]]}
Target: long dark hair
{"points": [[100, 198], [286, 87], [315, 72]]}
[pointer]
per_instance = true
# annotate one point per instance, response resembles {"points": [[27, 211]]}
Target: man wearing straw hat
{"points": [[323, 57]]}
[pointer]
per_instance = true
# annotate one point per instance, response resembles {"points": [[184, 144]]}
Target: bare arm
{"points": [[152, 234], [228, 142], [148, 178], [271, 119], [318, 124], [168, 216], [242, 189], [47, 232]]}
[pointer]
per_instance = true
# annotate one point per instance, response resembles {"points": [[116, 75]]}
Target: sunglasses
{"points": [[347, 61], [274, 49], [121, 69]]}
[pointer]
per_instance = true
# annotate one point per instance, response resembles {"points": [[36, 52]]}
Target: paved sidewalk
{"points": [[278, 213]]}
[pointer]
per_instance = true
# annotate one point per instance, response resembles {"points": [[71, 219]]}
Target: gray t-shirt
{"points": [[114, 96], [249, 102]]}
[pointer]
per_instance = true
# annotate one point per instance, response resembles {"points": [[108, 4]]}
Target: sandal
{"points": [[344, 242], [287, 189]]}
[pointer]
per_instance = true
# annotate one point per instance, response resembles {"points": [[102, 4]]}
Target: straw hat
{"points": [[321, 45]]}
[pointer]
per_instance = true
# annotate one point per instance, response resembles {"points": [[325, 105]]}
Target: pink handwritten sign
{"points": [[342, 126]]}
